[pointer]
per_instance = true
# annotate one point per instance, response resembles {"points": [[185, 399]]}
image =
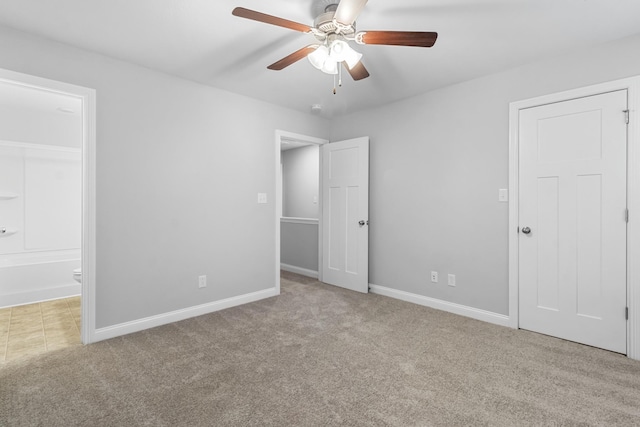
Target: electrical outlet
{"points": [[202, 281], [452, 280], [434, 276]]}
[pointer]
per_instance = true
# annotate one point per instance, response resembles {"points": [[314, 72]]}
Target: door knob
{"points": [[361, 222], [526, 230]]}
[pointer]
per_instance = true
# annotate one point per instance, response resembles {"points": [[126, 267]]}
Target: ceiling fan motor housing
{"points": [[325, 23]]}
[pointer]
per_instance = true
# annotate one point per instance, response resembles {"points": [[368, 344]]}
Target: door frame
{"points": [[632, 85], [88, 243], [281, 135]]}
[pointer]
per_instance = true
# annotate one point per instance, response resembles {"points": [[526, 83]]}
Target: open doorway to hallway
{"points": [[298, 203]]}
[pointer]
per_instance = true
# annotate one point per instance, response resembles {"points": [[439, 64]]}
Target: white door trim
{"points": [[88, 98], [279, 137], [632, 85]]}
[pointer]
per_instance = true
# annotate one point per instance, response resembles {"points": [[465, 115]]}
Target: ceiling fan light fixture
{"points": [[338, 50], [352, 58], [322, 60], [330, 67], [318, 57]]}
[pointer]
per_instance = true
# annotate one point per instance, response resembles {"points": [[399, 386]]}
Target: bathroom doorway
{"points": [[47, 212]]}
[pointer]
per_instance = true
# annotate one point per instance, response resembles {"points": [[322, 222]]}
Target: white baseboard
{"points": [[39, 295], [462, 310], [299, 270], [175, 316]]}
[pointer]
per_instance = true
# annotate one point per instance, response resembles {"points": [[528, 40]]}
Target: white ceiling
{"points": [[200, 40]]}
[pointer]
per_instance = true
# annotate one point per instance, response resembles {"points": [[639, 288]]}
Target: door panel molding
{"points": [[632, 85]]}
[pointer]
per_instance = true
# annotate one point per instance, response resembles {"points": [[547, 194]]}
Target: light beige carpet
{"points": [[319, 355]]}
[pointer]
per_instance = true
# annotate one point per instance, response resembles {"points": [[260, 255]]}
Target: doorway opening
{"points": [[47, 239], [298, 204]]}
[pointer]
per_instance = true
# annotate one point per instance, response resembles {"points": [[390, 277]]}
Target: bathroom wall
{"points": [[39, 117], [40, 194]]}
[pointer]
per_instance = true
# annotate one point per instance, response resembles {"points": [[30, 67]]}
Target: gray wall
{"points": [[178, 172], [299, 245], [437, 162], [300, 181]]}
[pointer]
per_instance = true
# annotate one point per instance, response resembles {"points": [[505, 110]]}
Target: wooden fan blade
{"points": [[268, 19], [358, 72], [348, 11], [399, 38], [294, 57]]}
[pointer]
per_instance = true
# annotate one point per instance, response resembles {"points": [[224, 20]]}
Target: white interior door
{"points": [[572, 240], [345, 214]]}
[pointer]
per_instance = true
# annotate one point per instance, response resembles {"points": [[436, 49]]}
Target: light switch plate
{"points": [[503, 195], [262, 197]]}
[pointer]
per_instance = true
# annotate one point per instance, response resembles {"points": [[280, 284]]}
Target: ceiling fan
{"points": [[333, 29]]}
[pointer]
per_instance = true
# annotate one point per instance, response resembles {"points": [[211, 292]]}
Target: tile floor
{"points": [[31, 329]]}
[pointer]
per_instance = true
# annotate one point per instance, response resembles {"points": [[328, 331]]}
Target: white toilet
{"points": [[77, 275]]}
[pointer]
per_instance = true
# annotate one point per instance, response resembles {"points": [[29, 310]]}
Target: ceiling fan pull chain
{"points": [[339, 75], [334, 84]]}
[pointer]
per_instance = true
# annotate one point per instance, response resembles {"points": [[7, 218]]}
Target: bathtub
{"points": [[32, 277]]}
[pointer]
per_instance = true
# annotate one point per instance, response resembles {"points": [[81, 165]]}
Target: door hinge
{"points": [[626, 215], [626, 313], [626, 116]]}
